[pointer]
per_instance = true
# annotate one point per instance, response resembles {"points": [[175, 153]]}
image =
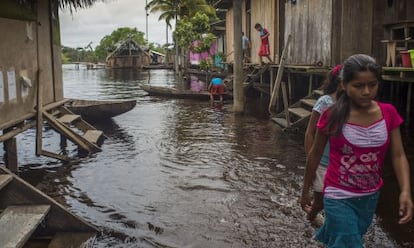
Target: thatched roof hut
{"points": [[128, 55]]}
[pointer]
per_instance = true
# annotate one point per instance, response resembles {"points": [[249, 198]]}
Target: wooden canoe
{"points": [[30, 218], [175, 93], [97, 109]]}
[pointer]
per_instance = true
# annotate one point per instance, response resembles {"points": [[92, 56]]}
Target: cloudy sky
{"points": [[92, 24]]}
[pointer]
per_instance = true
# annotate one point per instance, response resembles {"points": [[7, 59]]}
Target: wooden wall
{"points": [[264, 12], [383, 14], [19, 57], [229, 36], [356, 28], [310, 24], [136, 61]]}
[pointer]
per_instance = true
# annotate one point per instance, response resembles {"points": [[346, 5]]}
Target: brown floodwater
{"points": [[178, 173]]}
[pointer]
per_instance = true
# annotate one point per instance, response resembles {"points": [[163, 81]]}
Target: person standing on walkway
{"points": [[264, 50], [246, 48], [360, 130], [330, 88]]}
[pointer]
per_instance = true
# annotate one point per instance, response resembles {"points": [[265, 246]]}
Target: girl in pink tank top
{"points": [[360, 130]]}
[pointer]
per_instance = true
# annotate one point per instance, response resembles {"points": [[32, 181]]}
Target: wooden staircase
{"points": [[74, 128], [31, 219], [253, 79], [298, 113]]}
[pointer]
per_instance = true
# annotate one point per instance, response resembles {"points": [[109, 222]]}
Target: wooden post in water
{"points": [[238, 92], [10, 147]]}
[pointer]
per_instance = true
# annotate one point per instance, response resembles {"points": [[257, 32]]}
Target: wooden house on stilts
{"points": [[31, 93], [324, 33], [128, 55]]}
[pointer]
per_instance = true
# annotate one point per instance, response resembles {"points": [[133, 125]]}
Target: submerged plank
{"points": [[4, 180], [72, 239], [310, 102], [301, 112], [69, 119], [93, 136], [17, 223]]}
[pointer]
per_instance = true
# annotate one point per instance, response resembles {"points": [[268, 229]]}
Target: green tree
{"points": [[176, 9], [181, 9], [109, 42], [196, 28]]}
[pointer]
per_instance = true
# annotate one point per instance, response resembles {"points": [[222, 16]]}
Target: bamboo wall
{"points": [[310, 24], [19, 57]]}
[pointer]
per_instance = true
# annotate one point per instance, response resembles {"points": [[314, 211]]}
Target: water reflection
{"points": [[178, 173]]}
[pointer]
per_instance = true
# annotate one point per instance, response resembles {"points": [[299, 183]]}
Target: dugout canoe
{"points": [[30, 218], [100, 109], [181, 94]]}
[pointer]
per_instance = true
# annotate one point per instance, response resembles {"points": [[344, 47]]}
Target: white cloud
{"points": [[92, 24]]}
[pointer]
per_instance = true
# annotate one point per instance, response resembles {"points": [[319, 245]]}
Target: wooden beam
{"points": [[39, 116], [10, 134], [11, 155], [238, 88], [286, 103], [275, 91], [55, 155]]}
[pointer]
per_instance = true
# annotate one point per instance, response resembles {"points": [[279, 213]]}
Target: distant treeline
{"points": [[70, 55], [106, 46]]}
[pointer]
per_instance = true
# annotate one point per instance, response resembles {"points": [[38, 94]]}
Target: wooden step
{"points": [[308, 101], [93, 136], [17, 223], [318, 92], [4, 180], [69, 119], [72, 239], [301, 112], [281, 122]]}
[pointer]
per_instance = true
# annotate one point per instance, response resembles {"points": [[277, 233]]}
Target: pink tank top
{"points": [[357, 154]]}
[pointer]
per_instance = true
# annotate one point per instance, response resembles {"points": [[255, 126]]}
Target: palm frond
{"points": [[68, 4]]}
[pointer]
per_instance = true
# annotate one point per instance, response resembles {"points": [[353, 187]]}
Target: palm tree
{"points": [[176, 9], [168, 9]]}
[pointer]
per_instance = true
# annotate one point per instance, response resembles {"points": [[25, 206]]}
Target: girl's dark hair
{"points": [[332, 80], [257, 25], [339, 111]]}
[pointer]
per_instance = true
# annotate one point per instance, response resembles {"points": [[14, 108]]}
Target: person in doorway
{"points": [[264, 50], [245, 47], [330, 88], [216, 87], [360, 130]]}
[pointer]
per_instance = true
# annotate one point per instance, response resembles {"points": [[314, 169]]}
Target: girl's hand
{"points": [[406, 208], [305, 202]]}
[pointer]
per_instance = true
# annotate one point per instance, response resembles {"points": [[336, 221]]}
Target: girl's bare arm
{"points": [[402, 172], [310, 131], [312, 163]]}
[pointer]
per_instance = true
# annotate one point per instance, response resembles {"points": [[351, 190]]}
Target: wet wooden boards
{"points": [[19, 222]]}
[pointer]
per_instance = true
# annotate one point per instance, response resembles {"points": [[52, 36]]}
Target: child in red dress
{"points": [[264, 50]]}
